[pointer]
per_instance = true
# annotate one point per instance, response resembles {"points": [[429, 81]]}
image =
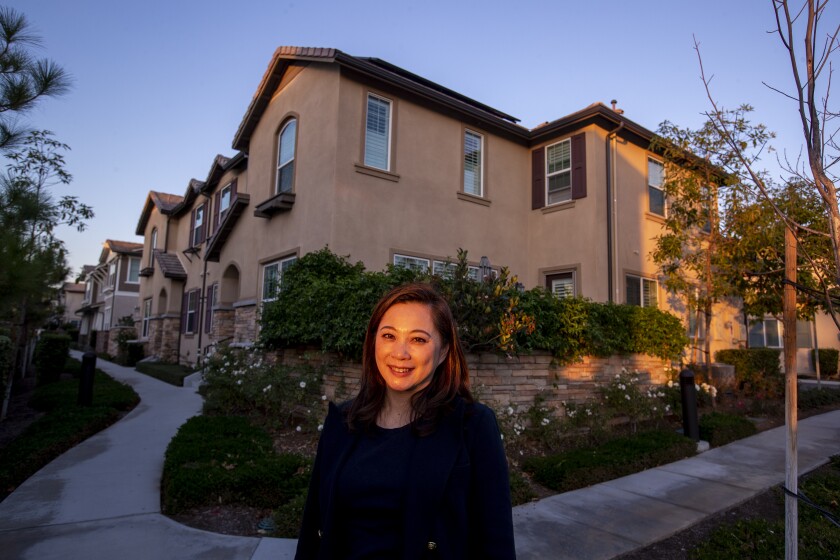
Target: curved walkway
{"points": [[101, 499]]}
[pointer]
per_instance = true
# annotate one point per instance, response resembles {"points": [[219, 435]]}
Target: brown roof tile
{"points": [[124, 247], [170, 265]]}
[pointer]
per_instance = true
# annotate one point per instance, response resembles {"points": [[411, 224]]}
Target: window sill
{"points": [[655, 218], [473, 198], [380, 173], [557, 207], [281, 202]]}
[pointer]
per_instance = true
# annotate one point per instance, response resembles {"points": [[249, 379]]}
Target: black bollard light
{"points": [[86, 379], [688, 394]]}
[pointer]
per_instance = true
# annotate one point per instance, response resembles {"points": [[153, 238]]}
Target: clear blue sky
{"points": [[161, 86]]}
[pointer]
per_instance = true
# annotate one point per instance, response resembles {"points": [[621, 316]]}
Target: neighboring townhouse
{"points": [[70, 298], [381, 164], [111, 293]]}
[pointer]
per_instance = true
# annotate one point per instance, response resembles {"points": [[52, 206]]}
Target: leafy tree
{"points": [[34, 259], [757, 256], [24, 79], [702, 184]]}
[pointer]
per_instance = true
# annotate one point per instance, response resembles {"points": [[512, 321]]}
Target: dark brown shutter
{"points": [[208, 309], [538, 178], [216, 202], [184, 298], [578, 166], [205, 223], [192, 228], [233, 191]]}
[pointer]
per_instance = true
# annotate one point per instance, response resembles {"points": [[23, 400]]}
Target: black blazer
{"points": [[457, 505]]}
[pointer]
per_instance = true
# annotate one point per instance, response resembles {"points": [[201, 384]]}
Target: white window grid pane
{"points": [[772, 333], [133, 270], [443, 269], [649, 295], [377, 132], [473, 155], [656, 173], [634, 290], [271, 273], [563, 287], [199, 220], [286, 157], [474, 273], [558, 163], [415, 263], [224, 200]]}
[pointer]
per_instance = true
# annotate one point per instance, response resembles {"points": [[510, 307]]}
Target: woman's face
{"points": [[408, 348]]}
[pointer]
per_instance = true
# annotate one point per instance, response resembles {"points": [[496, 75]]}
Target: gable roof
{"points": [[425, 91], [164, 202], [120, 248]]}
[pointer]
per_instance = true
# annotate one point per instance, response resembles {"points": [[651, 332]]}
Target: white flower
{"points": [[510, 410], [239, 382], [302, 384], [713, 392], [667, 408], [298, 429], [696, 387], [545, 421], [323, 397], [320, 427], [589, 412], [627, 397], [267, 388], [670, 383], [617, 376]]}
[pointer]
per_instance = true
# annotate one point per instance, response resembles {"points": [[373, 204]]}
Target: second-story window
{"points": [[112, 274], [153, 246], [133, 270], [224, 201], [378, 133], [198, 226], [656, 195], [286, 157], [473, 163], [558, 172]]}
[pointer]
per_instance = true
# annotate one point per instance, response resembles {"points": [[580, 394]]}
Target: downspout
{"points": [[611, 203], [202, 299]]}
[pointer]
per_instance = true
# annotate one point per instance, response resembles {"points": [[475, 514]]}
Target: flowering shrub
{"points": [[239, 382]]}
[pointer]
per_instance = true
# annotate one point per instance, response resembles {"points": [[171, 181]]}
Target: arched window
{"points": [[286, 157]]}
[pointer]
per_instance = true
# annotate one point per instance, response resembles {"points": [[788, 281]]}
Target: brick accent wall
{"points": [[169, 339], [501, 380], [224, 321]]}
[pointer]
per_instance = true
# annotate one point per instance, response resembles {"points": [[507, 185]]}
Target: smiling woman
{"points": [[413, 464]]}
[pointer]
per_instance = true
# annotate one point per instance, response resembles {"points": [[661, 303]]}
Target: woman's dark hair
{"points": [[450, 379]]}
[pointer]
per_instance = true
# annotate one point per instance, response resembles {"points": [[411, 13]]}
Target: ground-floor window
{"points": [[147, 314], [641, 291], [561, 284]]}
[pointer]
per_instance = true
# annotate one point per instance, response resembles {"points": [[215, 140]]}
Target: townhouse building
{"points": [[111, 291], [388, 167]]}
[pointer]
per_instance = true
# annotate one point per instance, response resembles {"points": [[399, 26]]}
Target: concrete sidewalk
{"points": [[101, 499]]}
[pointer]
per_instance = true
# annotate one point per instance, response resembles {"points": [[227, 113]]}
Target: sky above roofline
{"points": [[160, 88]]}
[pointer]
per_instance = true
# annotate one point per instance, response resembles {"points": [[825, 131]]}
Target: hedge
{"points": [[5, 362], [51, 352], [757, 370], [828, 361], [326, 301], [719, 428]]}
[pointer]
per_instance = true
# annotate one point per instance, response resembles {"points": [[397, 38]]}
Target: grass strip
{"points": [[63, 425], [226, 460], [173, 374]]}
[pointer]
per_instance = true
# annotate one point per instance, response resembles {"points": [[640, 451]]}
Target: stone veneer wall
{"points": [[163, 339], [245, 324], [504, 381], [101, 342], [224, 324], [113, 348]]}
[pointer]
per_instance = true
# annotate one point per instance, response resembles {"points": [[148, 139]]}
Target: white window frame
{"points": [[557, 173], [653, 186], [132, 272], [643, 281], [192, 311], [153, 246], [199, 222], [112, 274], [566, 293], [280, 266], [287, 163], [415, 263], [225, 199], [147, 314], [470, 189], [368, 156]]}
